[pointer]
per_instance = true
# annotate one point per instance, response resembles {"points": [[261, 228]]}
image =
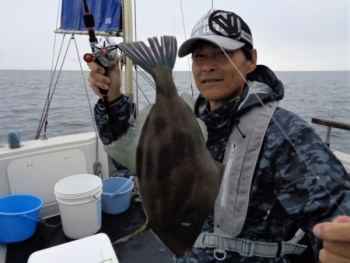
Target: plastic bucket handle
{"points": [[97, 199], [92, 198], [31, 218], [121, 188]]}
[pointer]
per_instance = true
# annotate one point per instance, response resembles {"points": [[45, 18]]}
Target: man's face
{"points": [[216, 78]]}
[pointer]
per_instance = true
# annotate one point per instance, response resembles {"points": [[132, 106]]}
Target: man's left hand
{"points": [[336, 240]]}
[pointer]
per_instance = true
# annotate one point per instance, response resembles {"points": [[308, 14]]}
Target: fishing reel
{"points": [[104, 53]]}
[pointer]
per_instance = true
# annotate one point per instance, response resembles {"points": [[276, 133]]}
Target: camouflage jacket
{"points": [[296, 181]]}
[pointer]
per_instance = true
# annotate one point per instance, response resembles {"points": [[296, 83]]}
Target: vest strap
{"points": [[241, 157], [247, 248]]}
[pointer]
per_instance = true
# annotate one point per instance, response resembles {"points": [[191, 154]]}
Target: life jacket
{"points": [[231, 206]]}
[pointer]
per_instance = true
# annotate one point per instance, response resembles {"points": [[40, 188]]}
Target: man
{"points": [[278, 170]]}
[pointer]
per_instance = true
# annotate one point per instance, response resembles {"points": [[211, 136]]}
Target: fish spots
{"points": [[173, 154], [174, 166], [160, 124]]}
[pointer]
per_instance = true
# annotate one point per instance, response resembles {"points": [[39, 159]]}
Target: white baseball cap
{"points": [[222, 28]]}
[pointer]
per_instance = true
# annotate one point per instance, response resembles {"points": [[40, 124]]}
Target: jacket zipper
{"points": [[226, 176]]}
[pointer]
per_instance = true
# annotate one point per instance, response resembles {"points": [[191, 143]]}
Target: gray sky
{"points": [[288, 34]]}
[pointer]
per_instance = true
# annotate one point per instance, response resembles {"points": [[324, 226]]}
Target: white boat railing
{"points": [[343, 157], [330, 125]]}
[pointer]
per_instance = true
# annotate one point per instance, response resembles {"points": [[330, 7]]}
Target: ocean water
{"points": [[323, 95]]}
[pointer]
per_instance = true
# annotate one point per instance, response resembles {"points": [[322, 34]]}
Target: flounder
{"points": [[178, 178]]}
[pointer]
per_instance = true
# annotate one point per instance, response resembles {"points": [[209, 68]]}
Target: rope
{"points": [[42, 119], [138, 87], [97, 165], [54, 45], [49, 98], [188, 59], [135, 28], [150, 82], [136, 109]]}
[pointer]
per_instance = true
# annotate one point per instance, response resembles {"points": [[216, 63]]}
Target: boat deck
{"points": [[144, 248]]}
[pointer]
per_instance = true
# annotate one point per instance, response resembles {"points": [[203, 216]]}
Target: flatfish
{"points": [[178, 178]]}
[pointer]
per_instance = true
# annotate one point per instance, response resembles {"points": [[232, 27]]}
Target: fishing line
{"points": [[136, 109], [43, 117], [60, 70], [286, 136], [188, 59], [49, 98], [86, 90], [137, 84], [150, 82], [54, 46], [294, 182], [97, 165]]}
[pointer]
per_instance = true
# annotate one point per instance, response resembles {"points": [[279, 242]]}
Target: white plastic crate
{"points": [[93, 249]]}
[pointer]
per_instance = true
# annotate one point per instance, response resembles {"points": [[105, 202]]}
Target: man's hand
{"points": [[336, 240], [112, 82]]}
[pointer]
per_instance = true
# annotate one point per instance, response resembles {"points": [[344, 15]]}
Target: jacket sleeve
{"points": [[310, 183], [120, 116]]}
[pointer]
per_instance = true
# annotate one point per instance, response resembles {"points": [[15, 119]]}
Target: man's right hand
{"points": [[112, 82]]}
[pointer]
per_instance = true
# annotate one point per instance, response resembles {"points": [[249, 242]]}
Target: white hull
{"points": [[38, 165]]}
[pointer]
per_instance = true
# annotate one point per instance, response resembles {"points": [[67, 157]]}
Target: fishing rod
{"points": [[103, 53]]}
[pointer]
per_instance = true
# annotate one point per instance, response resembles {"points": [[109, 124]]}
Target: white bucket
{"points": [[79, 201]]}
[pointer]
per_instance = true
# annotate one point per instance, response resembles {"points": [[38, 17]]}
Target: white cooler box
{"points": [[93, 249]]}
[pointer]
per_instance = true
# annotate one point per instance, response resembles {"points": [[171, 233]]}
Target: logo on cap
{"points": [[225, 23], [230, 25]]}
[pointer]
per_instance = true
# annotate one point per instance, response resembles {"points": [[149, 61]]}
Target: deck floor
{"points": [[144, 248]]}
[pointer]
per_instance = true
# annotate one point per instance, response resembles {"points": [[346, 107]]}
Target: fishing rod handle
{"points": [[90, 58]]}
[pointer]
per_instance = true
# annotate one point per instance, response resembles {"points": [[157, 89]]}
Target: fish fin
{"points": [[155, 55], [142, 229], [192, 102], [123, 151]]}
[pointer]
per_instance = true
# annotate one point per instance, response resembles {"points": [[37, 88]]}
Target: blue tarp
{"points": [[107, 14]]}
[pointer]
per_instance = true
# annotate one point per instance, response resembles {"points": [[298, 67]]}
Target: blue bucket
{"points": [[19, 215], [119, 203]]}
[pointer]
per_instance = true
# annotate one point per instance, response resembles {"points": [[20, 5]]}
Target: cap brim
{"points": [[224, 42]]}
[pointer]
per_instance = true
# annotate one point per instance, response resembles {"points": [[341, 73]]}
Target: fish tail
{"points": [[147, 58], [137, 232]]}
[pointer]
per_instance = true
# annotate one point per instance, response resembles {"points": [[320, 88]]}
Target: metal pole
{"points": [[328, 135], [129, 90]]}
